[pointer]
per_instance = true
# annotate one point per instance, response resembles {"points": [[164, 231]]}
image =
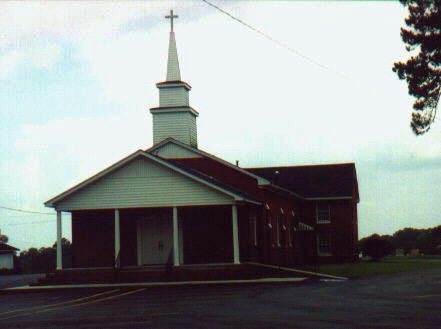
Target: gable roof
{"points": [[222, 173], [308, 181], [140, 153], [260, 180], [7, 247], [213, 180], [314, 181]]}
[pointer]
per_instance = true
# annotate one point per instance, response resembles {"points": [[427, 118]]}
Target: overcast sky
{"points": [[77, 79]]}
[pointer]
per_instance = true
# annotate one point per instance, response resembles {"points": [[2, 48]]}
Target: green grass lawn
{"points": [[425, 257], [387, 265]]}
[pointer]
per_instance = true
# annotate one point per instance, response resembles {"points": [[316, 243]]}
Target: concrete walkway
{"points": [[158, 284], [300, 272]]}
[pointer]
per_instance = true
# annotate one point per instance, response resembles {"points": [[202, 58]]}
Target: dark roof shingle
{"points": [[7, 247], [210, 179], [313, 181]]}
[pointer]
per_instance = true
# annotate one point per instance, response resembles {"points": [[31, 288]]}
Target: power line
{"points": [[31, 223], [280, 43], [27, 211]]}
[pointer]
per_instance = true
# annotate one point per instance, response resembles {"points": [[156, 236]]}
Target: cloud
{"points": [[46, 56], [91, 144], [76, 21], [9, 63], [41, 56]]}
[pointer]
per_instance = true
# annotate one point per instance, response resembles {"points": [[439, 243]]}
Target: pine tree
{"points": [[423, 70]]}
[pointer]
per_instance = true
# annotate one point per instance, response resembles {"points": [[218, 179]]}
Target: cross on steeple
{"points": [[171, 16]]}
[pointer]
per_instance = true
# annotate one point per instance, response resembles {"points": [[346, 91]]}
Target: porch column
{"points": [[59, 246], [175, 237], [235, 235], [117, 239]]}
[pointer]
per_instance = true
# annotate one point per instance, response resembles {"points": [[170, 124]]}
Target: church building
{"points": [[174, 204]]}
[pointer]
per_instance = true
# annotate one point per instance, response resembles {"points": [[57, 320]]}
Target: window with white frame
{"points": [[269, 220], [323, 212], [289, 233], [324, 244], [277, 223], [291, 228]]}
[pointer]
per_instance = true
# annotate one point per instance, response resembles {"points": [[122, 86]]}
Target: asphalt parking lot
{"points": [[18, 280], [411, 300]]}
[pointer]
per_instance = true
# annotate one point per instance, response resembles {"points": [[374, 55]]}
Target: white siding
{"points": [[7, 261], [142, 183], [178, 125], [193, 131], [173, 151], [173, 97]]}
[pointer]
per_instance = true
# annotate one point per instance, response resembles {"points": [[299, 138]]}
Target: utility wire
{"points": [[27, 211], [31, 223], [280, 43]]}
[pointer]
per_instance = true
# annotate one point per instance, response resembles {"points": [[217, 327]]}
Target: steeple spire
{"points": [[173, 72], [173, 63], [174, 117]]}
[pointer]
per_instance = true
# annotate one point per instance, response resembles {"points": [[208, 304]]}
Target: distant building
{"points": [[7, 254], [174, 203]]}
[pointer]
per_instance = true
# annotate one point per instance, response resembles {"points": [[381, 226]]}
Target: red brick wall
{"points": [[129, 250], [207, 234], [93, 238], [343, 231], [272, 252], [93, 233], [249, 251]]}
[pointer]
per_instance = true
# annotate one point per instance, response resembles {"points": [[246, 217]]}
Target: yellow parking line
{"points": [[428, 296], [74, 305], [94, 301], [186, 299], [164, 314], [62, 303]]}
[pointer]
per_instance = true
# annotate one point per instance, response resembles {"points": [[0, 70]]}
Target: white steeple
{"points": [[174, 117], [173, 63], [173, 73]]}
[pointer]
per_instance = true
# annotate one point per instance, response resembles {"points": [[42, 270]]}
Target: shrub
{"points": [[377, 248]]}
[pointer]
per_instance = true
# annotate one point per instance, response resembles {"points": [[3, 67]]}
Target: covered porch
{"points": [[139, 237], [145, 210]]}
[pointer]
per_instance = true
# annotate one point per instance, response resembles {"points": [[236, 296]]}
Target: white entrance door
{"points": [[155, 239]]}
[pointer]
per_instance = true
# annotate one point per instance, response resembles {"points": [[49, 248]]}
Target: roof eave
{"points": [[329, 198], [283, 190], [260, 180]]}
